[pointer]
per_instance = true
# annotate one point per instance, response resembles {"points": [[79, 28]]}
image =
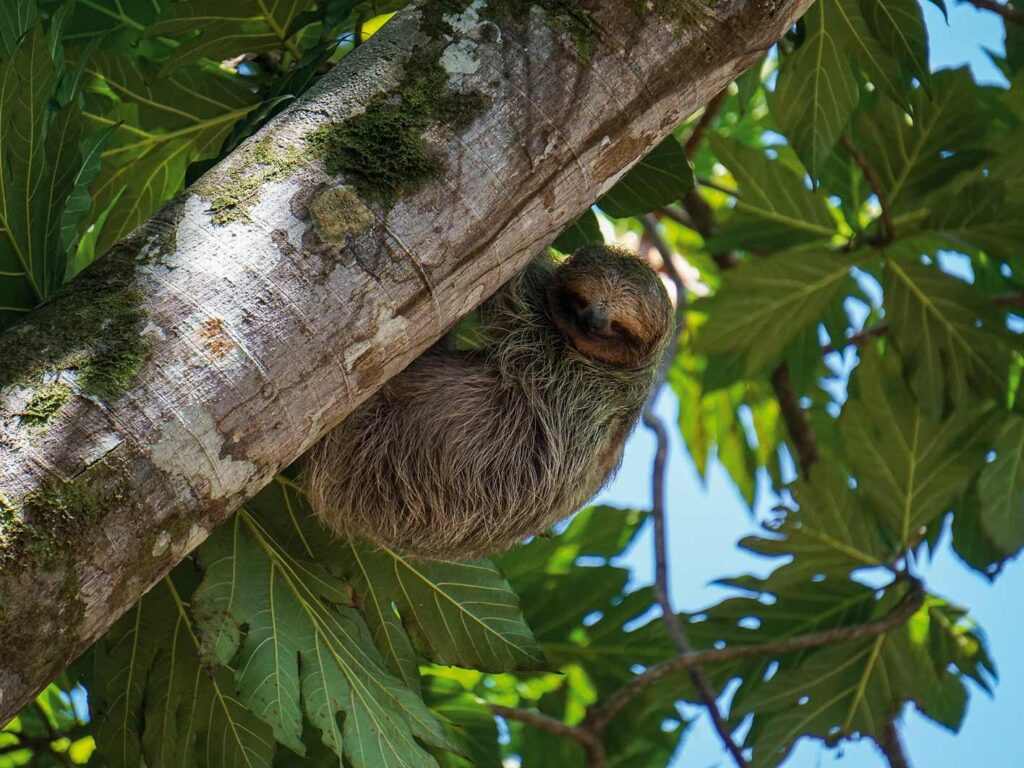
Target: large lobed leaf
{"points": [[763, 304], [774, 209], [160, 127], [909, 463], [953, 338]]}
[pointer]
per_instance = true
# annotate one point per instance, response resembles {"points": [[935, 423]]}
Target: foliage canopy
{"points": [[852, 228]]}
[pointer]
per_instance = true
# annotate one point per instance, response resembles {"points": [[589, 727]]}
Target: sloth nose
{"points": [[595, 318]]}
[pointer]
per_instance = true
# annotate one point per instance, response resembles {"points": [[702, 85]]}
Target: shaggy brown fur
{"points": [[467, 453]]}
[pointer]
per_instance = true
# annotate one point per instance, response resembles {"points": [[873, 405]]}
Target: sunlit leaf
{"points": [[282, 615], [909, 465], [774, 208], [165, 124], [816, 91], [763, 304]]}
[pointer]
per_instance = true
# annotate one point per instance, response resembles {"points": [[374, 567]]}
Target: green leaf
{"points": [[899, 26], [853, 688], [952, 338], [660, 178], [280, 615], [16, 18], [26, 84], [910, 466], [469, 721], [816, 92], [856, 38], [774, 209], [79, 201], [833, 532], [916, 157], [583, 231], [228, 28], [152, 699], [165, 124], [118, 24], [981, 214], [463, 613], [765, 303], [1001, 488]]}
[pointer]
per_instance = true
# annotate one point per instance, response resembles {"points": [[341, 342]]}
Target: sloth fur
{"points": [[466, 453]]}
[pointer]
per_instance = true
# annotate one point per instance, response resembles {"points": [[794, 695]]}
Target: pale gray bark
{"points": [[261, 336]]}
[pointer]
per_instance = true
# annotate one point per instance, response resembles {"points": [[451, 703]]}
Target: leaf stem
{"points": [[888, 230]]}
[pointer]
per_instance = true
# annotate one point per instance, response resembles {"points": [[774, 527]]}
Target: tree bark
{"points": [[176, 376]]}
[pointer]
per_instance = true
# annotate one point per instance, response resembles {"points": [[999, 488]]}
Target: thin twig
{"points": [[678, 215], [707, 117], [858, 339], [1010, 299], [588, 738], [888, 233], [598, 717], [673, 625], [797, 423], [892, 746], [1007, 11]]}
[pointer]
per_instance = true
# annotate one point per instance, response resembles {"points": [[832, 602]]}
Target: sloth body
{"points": [[467, 453]]}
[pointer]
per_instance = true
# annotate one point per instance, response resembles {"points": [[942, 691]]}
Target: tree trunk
{"points": [[209, 349]]}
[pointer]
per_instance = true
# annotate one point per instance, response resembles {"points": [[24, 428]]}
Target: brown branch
{"points": [[797, 423], [588, 738], [1007, 11], [704, 223], [707, 117], [1010, 299], [888, 230], [599, 717], [892, 746], [704, 181], [858, 339], [673, 625], [678, 215]]}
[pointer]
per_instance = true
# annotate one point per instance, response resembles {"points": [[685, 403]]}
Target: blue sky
{"points": [[706, 522]]}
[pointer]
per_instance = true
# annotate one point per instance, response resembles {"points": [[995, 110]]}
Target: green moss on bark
{"points": [[232, 194], [45, 403], [52, 519], [382, 152], [92, 329]]}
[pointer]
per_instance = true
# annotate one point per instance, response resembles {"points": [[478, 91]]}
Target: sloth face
{"points": [[610, 306]]}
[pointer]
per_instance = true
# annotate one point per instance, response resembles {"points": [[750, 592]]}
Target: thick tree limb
{"points": [[221, 351]]}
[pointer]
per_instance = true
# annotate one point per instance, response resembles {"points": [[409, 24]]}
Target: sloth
{"points": [[466, 453]]}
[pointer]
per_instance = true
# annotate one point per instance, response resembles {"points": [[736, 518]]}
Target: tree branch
{"points": [[888, 230], [707, 117], [1005, 10], [673, 625], [599, 717], [797, 423], [892, 746], [244, 341], [587, 738], [858, 339]]}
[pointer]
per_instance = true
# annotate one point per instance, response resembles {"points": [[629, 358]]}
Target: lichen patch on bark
{"points": [[195, 433], [337, 213]]}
